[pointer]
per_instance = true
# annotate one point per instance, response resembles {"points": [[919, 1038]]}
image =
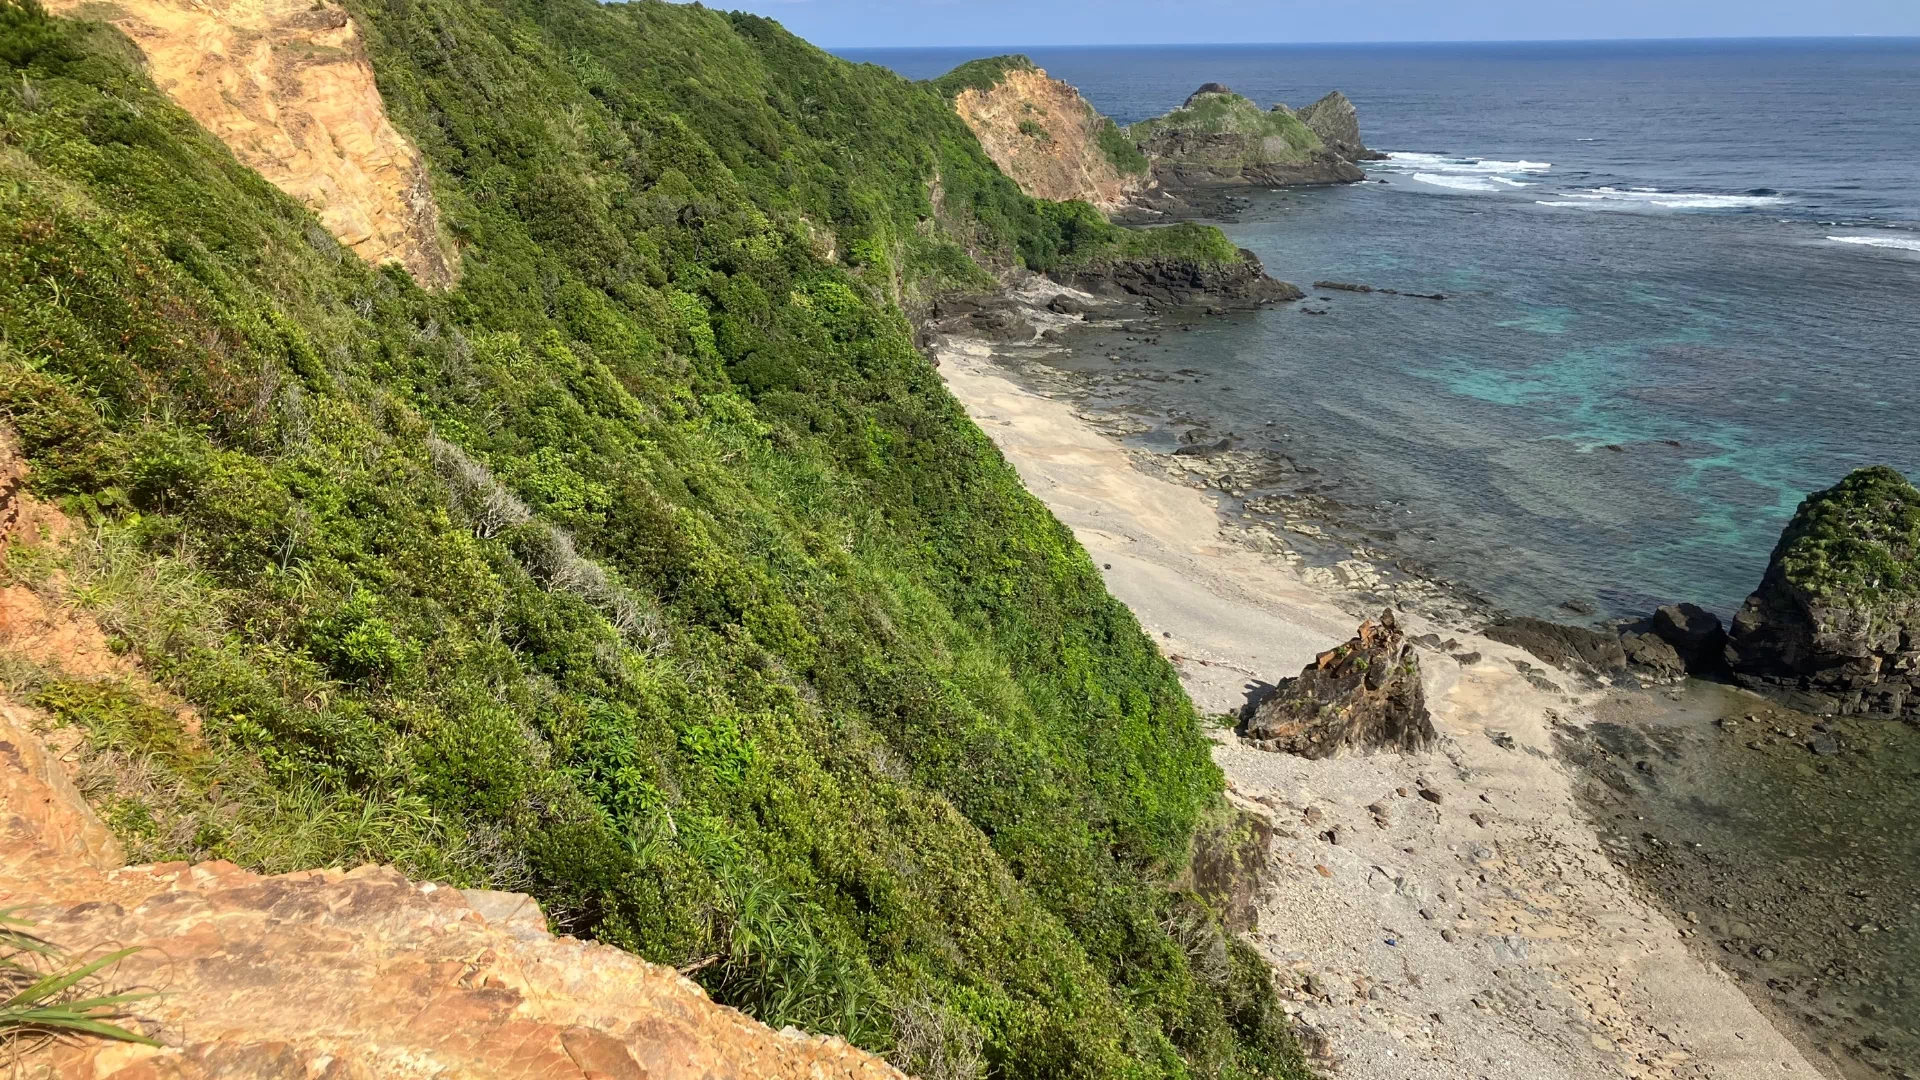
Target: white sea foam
{"points": [[1453, 163], [1509, 183], [1611, 198], [1897, 242], [1457, 183]]}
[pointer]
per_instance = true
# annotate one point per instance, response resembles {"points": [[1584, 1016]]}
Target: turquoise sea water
{"points": [[1683, 288]]}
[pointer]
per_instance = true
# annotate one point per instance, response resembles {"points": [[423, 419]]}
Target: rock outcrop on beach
{"points": [[1219, 137], [1572, 648], [346, 973], [1835, 623], [1337, 122], [1359, 697], [1044, 135]]}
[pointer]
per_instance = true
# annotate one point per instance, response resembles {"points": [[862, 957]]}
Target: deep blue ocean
{"points": [[1683, 281]]}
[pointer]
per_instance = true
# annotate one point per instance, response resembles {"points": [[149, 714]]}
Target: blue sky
{"points": [[853, 23]]}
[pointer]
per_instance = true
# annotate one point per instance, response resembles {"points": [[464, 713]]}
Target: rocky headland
{"points": [[1219, 137], [1041, 132]]}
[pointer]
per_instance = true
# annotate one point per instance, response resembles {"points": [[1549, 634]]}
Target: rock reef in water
{"points": [[1835, 623], [1183, 282], [1359, 697]]}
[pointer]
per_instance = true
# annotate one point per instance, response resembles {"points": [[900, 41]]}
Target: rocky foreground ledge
{"points": [[347, 974]]}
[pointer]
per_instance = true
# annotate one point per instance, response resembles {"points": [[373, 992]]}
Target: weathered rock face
{"points": [[1184, 282], [1047, 138], [1677, 641], [1835, 624], [287, 86], [1337, 122], [1362, 696], [1219, 137], [351, 974]]}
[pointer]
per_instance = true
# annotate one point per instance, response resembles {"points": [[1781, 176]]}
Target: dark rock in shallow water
{"points": [[1694, 632], [1184, 282], [1569, 647], [1835, 624], [1362, 696]]}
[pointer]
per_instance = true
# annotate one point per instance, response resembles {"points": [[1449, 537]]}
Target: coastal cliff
{"points": [[1835, 623], [1044, 135]]}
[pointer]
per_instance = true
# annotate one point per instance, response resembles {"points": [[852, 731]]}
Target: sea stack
{"points": [[1219, 137], [1363, 696], [1835, 623], [1335, 120]]}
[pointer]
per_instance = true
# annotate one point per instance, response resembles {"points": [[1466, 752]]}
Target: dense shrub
{"points": [[651, 570]]}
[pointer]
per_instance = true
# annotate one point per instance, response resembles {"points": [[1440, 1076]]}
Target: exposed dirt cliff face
{"points": [[348, 974], [1044, 135], [287, 86]]}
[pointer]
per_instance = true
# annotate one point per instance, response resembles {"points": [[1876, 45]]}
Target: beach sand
{"points": [[1482, 935]]}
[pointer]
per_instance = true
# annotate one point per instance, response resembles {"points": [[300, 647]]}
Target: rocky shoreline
{"points": [[1613, 694], [1450, 908]]}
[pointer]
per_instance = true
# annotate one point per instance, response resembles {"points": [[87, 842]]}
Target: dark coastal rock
{"points": [[1570, 647], [1835, 624], [1695, 634], [1068, 305], [1184, 282], [1654, 656], [1335, 120], [1362, 696]]}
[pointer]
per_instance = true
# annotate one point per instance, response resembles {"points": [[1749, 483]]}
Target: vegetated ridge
{"points": [[648, 570]]}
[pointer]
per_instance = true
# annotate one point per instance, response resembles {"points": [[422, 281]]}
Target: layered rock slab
{"points": [[345, 974]]}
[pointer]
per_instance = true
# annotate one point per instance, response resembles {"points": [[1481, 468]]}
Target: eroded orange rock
{"points": [[347, 974], [1044, 135], [287, 86]]}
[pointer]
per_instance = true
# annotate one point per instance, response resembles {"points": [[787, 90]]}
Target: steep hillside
{"points": [[649, 570], [1219, 137], [1044, 135]]}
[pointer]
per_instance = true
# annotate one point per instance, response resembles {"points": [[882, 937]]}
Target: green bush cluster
{"points": [[650, 570], [1857, 542], [1272, 135]]}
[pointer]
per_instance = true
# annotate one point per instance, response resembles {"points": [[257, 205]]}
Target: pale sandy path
{"points": [[1555, 967]]}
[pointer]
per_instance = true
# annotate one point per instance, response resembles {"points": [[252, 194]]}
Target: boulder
{"points": [[1655, 656], [1362, 696], [1573, 648], [1835, 623], [1205, 89], [1694, 632]]}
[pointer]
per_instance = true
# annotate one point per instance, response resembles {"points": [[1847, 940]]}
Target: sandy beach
{"points": [[1436, 916]]}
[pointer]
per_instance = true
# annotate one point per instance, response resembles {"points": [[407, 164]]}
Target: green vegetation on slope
{"points": [[1857, 541], [651, 570], [1270, 135], [983, 75]]}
